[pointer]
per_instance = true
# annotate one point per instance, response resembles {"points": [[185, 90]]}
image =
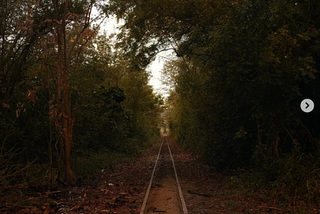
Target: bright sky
{"points": [[155, 67]]}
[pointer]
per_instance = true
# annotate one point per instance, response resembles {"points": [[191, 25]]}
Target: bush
{"points": [[88, 165]]}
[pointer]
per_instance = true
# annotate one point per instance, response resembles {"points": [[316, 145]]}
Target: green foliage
{"points": [[294, 173], [90, 164], [244, 68], [117, 109], [116, 112], [254, 69]]}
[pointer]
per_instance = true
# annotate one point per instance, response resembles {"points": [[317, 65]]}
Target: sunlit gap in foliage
{"points": [[155, 68]]}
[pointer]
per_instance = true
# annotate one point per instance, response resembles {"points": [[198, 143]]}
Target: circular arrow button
{"points": [[307, 105]]}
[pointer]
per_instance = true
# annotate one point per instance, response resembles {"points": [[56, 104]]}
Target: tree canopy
{"points": [[66, 91], [243, 69]]}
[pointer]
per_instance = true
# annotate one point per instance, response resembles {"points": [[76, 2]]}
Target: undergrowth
{"points": [[292, 177], [90, 164]]}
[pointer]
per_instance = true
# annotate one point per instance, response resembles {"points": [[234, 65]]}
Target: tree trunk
{"points": [[66, 121], [275, 146], [64, 108]]}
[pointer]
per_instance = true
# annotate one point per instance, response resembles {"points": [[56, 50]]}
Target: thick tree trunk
{"points": [[64, 108], [69, 175], [66, 121]]}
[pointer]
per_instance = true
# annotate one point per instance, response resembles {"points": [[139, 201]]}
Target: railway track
{"points": [[168, 170]]}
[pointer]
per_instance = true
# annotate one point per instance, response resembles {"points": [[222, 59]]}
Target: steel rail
{"points": [[145, 201], [183, 203], [146, 197]]}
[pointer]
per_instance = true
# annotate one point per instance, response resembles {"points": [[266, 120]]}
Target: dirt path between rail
{"points": [[163, 197], [164, 193]]}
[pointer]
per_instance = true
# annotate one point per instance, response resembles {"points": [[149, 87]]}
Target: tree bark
{"points": [[64, 107], [275, 146], [66, 121]]}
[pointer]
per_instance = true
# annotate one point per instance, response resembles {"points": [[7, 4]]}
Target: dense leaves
{"points": [[63, 90], [244, 68]]}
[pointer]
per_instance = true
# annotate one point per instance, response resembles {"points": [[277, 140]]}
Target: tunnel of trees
{"points": [[72, 100], [243, 68]]}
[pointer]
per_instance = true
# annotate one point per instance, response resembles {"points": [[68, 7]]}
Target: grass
{"points": [[87, 166]]}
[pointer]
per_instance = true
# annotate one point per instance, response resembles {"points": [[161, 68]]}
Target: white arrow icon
{"points": [[307, 105]]}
